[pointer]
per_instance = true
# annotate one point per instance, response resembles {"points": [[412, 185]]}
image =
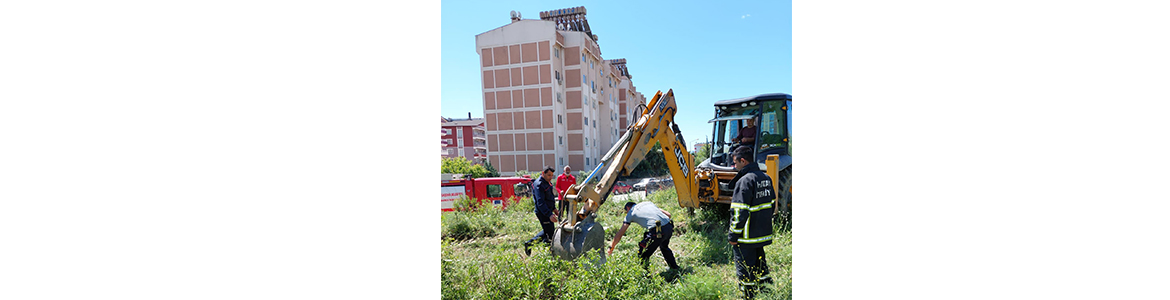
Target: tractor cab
{"points": [[771, 132]]}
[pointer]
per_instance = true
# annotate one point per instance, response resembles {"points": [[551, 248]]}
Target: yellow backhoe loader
{"points": [[704, 184]]}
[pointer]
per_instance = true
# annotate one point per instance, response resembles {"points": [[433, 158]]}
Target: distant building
{"points": [[698, 146], [549, 97], [464, 137]]}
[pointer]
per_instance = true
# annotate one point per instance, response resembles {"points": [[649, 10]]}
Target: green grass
{"points": [[483, 258]]}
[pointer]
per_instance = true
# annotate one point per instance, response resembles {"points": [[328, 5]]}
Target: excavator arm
{"points": [[654, 125]]}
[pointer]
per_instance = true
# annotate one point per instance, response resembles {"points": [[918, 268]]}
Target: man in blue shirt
{"points": [[545, 200], [657, 221]]}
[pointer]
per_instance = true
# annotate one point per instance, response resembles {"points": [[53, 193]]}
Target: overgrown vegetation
{"points": [[483, 258]]}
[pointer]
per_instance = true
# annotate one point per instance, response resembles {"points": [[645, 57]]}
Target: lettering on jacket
{"points": [[763, 190]]}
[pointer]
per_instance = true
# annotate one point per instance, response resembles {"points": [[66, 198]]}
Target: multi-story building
{"points": [[466, 138], [549, 97], [628, 97]]}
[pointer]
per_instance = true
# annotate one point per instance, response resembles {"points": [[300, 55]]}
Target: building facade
{"points": [[550, 99], [464, 138]]}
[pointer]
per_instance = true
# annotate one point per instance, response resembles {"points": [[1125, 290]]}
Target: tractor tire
{"points": [[783, 211]]}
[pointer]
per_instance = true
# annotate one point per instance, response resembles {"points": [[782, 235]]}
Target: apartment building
{"points": [[550, 99], [464, 137], [628, 97]]}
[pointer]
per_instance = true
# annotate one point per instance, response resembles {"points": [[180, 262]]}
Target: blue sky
{"points": [[705, 51]]}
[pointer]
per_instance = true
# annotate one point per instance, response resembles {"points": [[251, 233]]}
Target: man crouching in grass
{"points": [[659, 229]]}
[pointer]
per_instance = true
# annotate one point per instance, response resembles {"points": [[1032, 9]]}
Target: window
{"points": [[460, 151], [594, 123], [593, 86], [590, 63], [771, 123], [586, 161], [557, 52], [558, 119], [562, 161], [558, 74], [560, 141], [582, 57], [460, 134], [494, 190], [586, 141], [583, 81], [558, 96]]}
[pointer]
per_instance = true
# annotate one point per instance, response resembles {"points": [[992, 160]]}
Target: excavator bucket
{"points": [[571, 242]]}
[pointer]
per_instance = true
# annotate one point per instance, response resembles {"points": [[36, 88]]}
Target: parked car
{"points": [[621, 187], [643, 184]]}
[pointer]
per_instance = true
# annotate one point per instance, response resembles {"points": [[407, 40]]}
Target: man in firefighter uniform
{"points": [[751, 221], [545, 210]]}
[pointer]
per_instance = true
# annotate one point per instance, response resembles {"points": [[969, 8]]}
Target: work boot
{"points": [[527, 251]]}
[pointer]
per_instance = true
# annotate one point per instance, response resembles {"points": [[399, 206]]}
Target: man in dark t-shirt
{"points": [[747, 135]]}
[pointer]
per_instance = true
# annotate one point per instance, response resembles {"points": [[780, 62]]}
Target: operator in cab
{"points": [[659, 229], [751, 221], [545, 210], [747, 134]]}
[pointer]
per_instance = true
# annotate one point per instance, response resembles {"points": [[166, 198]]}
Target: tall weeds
{"points": [[483, 258]]}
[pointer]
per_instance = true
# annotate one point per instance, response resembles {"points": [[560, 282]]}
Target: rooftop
{"points": [[569, 19]]}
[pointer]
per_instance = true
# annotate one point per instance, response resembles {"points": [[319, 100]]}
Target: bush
{"points": [[463, 203], [462, 225]]}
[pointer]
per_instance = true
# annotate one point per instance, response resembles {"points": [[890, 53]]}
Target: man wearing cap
{"points": [[659, 229], [545, 210], [751, 221]]}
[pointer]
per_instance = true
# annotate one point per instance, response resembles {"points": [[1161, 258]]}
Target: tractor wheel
{"points": [[783, 211]]}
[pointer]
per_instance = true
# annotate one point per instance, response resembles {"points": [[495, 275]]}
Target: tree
{"points": [[653, 165], [460, 165], [702, 153], [491, 169]]}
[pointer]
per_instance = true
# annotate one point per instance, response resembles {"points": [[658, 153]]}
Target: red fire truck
{"points": [[495, 189]]}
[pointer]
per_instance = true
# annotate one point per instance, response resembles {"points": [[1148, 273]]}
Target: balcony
{"points": [[480, 145]]}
